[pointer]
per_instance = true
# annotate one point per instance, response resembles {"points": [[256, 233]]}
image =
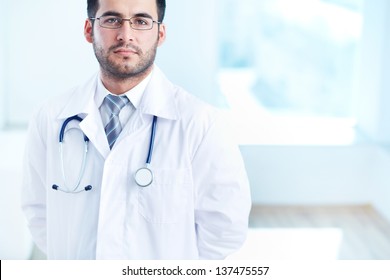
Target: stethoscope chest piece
{"points": [[143, 177]]}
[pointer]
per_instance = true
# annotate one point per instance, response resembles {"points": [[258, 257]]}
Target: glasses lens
{"points": [[110, 21], [141, 23]]}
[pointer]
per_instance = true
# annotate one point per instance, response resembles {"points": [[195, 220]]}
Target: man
{"points": [[82, 193]]}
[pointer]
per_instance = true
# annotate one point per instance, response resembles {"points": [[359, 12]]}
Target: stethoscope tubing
{"points": [[151, 143], [64, 125], [68, 189], [149, 172]]}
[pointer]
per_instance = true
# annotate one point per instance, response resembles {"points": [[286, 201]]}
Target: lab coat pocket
{"points": [[168, 198]]}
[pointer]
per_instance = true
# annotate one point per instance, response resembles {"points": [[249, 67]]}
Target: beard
{"points": [[123, 69]]}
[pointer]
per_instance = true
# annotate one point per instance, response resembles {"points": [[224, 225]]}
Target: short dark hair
{"points": [[93, 6]]}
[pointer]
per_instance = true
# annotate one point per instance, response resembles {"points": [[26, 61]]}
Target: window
{"points": [[289, 68]]}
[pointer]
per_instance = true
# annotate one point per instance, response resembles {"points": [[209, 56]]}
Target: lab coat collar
{"points": [[158, 98], [81, 101]]}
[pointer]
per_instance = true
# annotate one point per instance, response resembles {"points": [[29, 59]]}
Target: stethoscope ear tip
{"points": [[55, 187], [88, 188]]}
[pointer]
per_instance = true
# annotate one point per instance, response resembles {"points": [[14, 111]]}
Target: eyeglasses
{"points": [[136, 23]]}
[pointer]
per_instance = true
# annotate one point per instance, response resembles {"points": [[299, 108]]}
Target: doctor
{"points": [[81, 194]]}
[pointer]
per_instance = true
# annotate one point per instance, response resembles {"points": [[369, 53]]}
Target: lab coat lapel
{"points": [[159, 97], [82, 103], [92, 127], [157, 100]]}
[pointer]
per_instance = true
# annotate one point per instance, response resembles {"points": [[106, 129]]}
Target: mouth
{"points": [[125, 51]]}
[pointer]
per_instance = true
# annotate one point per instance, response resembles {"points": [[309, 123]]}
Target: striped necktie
{"points": [[113, 128]]}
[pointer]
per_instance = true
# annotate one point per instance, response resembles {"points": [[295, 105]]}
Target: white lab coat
{"points": [[196, 208]]}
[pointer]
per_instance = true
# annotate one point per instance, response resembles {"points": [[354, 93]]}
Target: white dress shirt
{"points": [[134, 95]]}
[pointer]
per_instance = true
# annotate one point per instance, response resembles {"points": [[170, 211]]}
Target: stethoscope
{"points": [[143, 176]]}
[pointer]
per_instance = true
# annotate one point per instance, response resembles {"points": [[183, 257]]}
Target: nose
{"points": [[125, 32]]}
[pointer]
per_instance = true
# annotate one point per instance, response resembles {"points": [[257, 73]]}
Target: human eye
{"points": [[111, 21], [141, 22]]}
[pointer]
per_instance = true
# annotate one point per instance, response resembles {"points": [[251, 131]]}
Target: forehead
{"points": [[128, 8]]}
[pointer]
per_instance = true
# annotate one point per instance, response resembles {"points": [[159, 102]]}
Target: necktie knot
{"points": [[115, 103]]}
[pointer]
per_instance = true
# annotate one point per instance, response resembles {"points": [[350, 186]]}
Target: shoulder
{"points": [[170, 101], [203, 122], [194, 111], [75, 97]]}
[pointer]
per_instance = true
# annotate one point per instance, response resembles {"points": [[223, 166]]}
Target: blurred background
{"points": [[305, 84]]}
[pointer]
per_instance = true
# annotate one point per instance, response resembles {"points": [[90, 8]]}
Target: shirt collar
{"points": [[134, 95]]}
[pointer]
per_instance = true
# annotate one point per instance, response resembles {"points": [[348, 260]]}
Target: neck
{"points": [[119, 85]]}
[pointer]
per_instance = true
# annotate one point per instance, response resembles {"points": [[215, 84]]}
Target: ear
{"points": [[88, 30], [161, 34]]}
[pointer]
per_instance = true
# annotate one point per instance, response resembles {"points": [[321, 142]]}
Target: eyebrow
{"points": [[111, 13], [143, 15], [114, 13]]}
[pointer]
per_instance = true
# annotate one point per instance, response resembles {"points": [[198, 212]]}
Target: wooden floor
{"points": [[366, 235]]}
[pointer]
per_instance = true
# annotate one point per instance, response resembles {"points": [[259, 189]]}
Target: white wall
{"points": [[319, 175], [49, 53], [308, 175], [15, 240]]}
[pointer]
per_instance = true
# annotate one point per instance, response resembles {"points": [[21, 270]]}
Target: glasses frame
{"points": [[126, 19]]}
